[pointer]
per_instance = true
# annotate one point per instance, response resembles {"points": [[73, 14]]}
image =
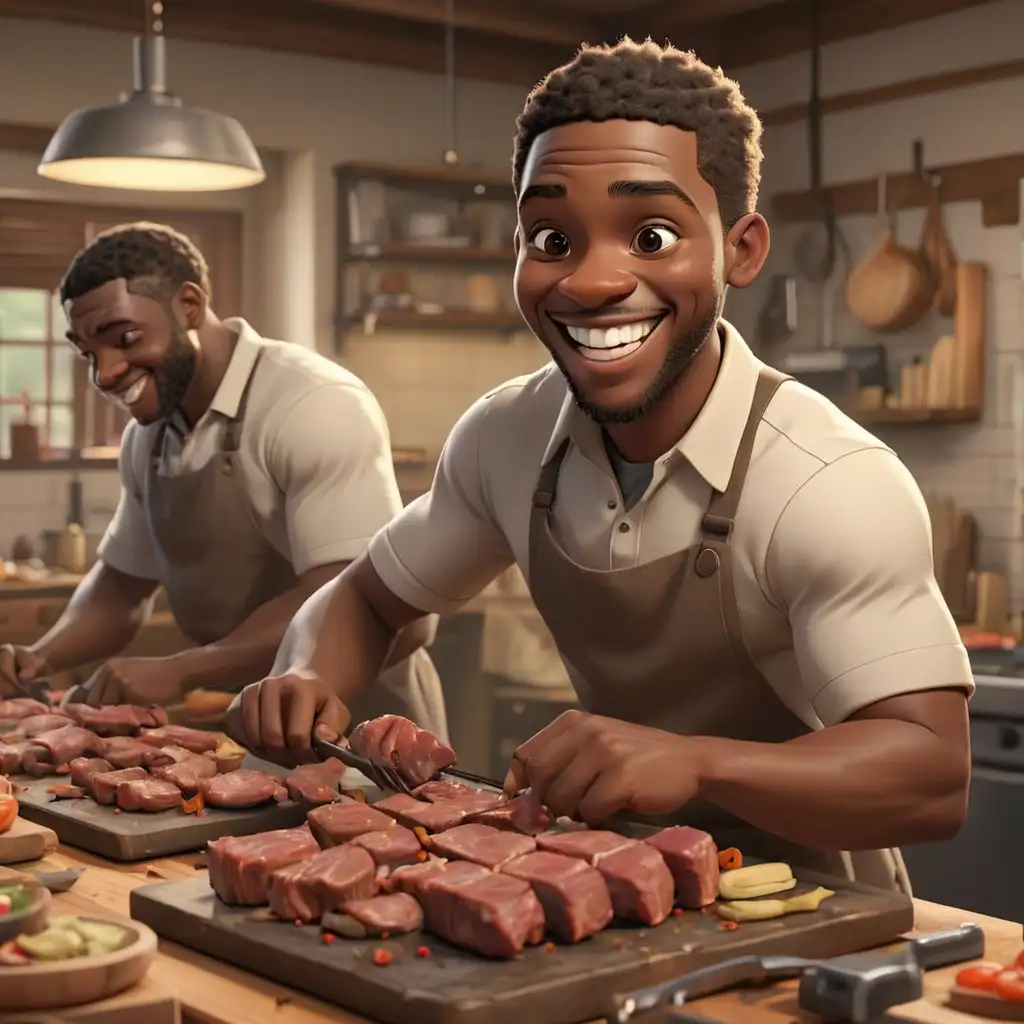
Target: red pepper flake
{"points": [[327, 938], [730, 926], [117, 810], [677, 911], [381, 957], [423, 951], [385, 935], [421, 856], [297, 923], [549, 947]]}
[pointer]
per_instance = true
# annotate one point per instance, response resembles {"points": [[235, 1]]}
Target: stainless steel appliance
{"points": [[978, 870]]}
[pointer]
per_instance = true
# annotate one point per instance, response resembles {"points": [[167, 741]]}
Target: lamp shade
{"points": [[155, 143]]}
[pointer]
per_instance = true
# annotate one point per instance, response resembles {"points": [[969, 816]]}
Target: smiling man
{"points": [[252, 471], [737, 576]]}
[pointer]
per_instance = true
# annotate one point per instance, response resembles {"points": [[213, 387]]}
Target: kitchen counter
{"points": [[214, 993]]}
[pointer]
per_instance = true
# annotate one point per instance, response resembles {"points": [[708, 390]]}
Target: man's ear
{"points": [[190, 305], [746, 248]]}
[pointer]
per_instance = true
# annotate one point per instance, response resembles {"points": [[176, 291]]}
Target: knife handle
{"points": [[941, 949]]}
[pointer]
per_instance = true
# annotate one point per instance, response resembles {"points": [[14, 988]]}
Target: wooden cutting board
{"points": [[139, 836], [560, 985], [147, 1001], [25, 840]]}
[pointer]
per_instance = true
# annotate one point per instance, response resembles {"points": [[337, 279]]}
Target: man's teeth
{"points": [[612, 337], [134, 393]]}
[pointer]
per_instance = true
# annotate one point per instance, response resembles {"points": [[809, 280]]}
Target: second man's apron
{"points": [[218, 568], [660, 644]]}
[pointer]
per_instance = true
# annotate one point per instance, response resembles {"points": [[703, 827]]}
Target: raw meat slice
{"points": [[490, 847], [36, 724], [10, 757], [692, 857], [523, 813], [131, 752], [437, 816], [117, 719], [441, 789], [574, 895], [84, 768], [102, 786], [148, 795], [417, 754], [391, 847], [187, 774], [408, 879], [241, 788], [394, 914], [639, 883], [49, 750], [589, 844], [337, 823], [21, 707], [241, 866], [197, 740], [494, 915], [315, 783], [305, 890]]}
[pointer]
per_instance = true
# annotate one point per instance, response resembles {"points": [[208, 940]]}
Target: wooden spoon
{"points": [[939, 251]]}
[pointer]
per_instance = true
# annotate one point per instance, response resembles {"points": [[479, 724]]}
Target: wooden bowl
{"points": [[30, 920], [60, 983]]}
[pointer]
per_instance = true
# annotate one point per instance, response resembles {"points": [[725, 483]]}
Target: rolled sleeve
{"points": [[447, 545], [127, 545], [850, 561], [331, 457]]}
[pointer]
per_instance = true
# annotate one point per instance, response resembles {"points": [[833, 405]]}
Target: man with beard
{"points": [[738, 577], [252, 472]]}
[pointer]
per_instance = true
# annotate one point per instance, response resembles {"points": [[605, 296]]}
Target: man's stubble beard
{"points": [[175, 374], [678, 358]]}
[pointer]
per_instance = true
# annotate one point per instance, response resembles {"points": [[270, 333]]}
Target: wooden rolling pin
{"points": [[991, 612], [969, 331]]}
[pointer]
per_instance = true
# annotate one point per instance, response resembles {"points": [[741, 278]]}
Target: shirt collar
{"points": [[711, 443], [229, 393]]}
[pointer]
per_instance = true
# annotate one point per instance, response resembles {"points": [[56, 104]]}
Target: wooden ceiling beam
{"points": [[670, 16], [519, 20]]}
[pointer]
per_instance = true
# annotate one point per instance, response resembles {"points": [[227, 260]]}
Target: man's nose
{"points": [[597, 280], [108, 369]]}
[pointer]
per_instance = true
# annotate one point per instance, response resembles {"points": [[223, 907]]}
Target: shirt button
{"points": [[613, 504], [623, 527]]}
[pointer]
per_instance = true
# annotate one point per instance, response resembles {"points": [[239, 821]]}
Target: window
{"points": [[35, 369], [40, 375]]}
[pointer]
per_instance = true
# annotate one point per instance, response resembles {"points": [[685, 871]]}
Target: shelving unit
{"points": [[395, 276], [878, 417]]}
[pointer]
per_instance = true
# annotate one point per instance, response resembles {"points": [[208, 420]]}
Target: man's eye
{"points": [[653, 239], [550, 241], [130, 338]]}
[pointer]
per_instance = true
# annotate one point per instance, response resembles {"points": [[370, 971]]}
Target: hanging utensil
{"points": [[939, 250], [451, 154], [884, 288]]}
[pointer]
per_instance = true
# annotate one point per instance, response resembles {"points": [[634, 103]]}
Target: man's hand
{"points": [[275, 718], [19, 664], [144, 681], [589, 767]]}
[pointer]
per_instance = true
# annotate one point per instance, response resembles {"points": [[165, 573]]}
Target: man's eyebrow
{"points": [[650, 188], [542, 192]]}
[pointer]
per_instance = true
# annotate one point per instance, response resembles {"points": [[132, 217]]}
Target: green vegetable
{"points": [[99, 936], [20, 897], [53, 944]]}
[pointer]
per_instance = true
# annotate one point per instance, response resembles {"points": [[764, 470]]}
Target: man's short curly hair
{"points": [[647, 82], [154, 259]]}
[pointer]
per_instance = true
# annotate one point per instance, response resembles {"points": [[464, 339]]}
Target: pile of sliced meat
{"points": [[482, 871], [130, 758]]}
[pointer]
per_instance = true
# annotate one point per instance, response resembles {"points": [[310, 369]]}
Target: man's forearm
{"points": [[859, 785], [248, 652], [101, 619]]}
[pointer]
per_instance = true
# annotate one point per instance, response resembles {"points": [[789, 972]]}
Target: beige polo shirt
{"points": [[837, 597], [315, 458]]}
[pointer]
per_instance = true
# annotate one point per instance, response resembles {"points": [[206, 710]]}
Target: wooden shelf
{"points": [[995, 183], [409, 252], [460, 320], [441, 175], [870, 417]]}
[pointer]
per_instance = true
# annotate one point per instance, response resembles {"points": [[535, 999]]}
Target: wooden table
{"points": [[214, 993]]}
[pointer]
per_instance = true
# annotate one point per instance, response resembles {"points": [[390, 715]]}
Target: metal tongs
{"points": [[386, 776]]}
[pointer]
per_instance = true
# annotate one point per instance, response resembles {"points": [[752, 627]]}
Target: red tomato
{"points": [[980, 976], [1018, 964], [1010, 986]]}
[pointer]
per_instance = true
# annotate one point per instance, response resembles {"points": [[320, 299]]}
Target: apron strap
{"points": [[233, 430], [544, 495], [718, 520]]}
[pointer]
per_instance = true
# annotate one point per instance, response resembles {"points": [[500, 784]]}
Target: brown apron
{"points": [[660, 644], [218, 568]]}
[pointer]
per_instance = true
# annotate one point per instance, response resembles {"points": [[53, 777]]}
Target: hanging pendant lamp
{"points": [[150, 140]]}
